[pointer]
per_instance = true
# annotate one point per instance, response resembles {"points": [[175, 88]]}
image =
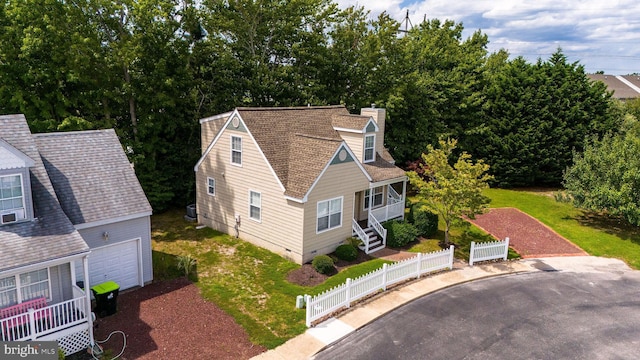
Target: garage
{"points": [[118, 262]]}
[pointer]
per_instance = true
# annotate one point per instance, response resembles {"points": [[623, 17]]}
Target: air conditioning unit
{"points": [[9, 218]]}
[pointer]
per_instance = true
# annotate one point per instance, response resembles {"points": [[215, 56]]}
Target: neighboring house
{"points": [[66, 214], [624, 88], [298, 181]]}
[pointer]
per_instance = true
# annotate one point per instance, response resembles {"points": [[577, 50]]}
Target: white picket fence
{"points": [[378, 280], [489, 251]]}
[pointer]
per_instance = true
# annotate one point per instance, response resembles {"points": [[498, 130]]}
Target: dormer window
{"points": [[12, 207], [369, 148]]}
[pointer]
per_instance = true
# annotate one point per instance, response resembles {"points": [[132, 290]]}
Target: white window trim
{"points": [[18, 287], [365, 202], [209, 186], [232, 150], [329, 215], [21, 213], [259, 206], [372, 148]]}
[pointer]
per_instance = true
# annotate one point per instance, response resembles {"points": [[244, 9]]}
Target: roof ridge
{"points": [[290, 108], [74, 132], [317, 137]]}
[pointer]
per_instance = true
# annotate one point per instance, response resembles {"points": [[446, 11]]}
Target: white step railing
{"points": [[392, 196], [37, 323], [342, 295], [361, 234], [375, 224], [489, 251]]}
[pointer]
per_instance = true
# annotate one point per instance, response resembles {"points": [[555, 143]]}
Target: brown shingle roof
{"points": [[299, 142], [356, 122]]}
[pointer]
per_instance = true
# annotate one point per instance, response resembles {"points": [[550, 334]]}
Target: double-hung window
{"points": [[12, 197], [236, 150], [211, 186], [23, 287], [369, 148], [255, 205], [329, 214], [377, 197]]}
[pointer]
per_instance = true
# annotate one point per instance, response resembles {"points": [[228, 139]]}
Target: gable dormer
{"points": [[15, 185], [361, 133]]}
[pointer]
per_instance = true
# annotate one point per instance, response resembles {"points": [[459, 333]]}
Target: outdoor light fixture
{"points": [[105, 236]]}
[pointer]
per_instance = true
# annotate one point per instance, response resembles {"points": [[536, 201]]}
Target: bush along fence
{"points": [[354, 289], [378, 280], [489, 251]]}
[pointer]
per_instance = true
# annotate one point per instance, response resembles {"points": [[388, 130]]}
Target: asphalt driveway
{"points": [[541, 315]]}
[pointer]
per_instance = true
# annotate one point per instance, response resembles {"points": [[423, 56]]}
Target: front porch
{"points": [[377, 208], [67, 322]]}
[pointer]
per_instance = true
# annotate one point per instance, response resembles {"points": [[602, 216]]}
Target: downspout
{"points": [[87, 296]]}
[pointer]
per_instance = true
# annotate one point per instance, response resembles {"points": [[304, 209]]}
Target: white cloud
{"points": [[602, 35]]}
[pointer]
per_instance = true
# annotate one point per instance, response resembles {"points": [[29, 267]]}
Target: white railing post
{"points": [[473, 245], [506, 249], [451, 250], [384, 276], [32, 324], [347, 296], [419, 265], [307, 301]]}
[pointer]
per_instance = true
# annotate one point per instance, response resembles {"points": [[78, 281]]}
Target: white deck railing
{"points": [[37, 323], [378, 280], [489, 251]]}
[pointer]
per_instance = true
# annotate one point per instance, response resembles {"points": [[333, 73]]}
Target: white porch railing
{"points": [[393, 196], [489, 251], [389, 212], [35, 324], [378, 280]]}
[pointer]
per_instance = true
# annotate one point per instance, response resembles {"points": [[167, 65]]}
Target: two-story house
{"points": [[71, 209], [298, 181]]}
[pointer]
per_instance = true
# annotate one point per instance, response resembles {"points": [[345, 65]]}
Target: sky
{"points": [[602, 35]]}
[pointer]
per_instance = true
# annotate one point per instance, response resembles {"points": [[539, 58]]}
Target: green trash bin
{"points": [[106, 295]]}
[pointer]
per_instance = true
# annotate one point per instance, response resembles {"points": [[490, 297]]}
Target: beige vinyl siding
{"points": [[280, 228], [209, 130], [355, 141], [339, 180]]}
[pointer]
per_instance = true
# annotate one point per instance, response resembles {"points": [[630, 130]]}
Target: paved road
{"points": [[541, 315]]}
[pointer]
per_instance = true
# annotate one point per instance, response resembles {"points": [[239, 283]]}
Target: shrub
{"points": [[400, 233], [323, 264], [186, 263], [346, 252], [425, 221], [353, 241]]}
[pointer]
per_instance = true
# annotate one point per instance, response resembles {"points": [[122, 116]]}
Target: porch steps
{"points": [[375, 243]]}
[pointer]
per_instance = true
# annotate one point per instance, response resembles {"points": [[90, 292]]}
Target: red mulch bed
{"points": [[170, 320], [527, 236]]}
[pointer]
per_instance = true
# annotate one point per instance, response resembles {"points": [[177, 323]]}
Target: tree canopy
{"points": [[451, 190], [151, 68]]}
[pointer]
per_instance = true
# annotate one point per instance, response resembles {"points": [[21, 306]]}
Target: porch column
{"points": [[87, 296], [404, 195]]}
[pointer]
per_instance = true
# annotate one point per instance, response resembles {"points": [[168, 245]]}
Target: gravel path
{"points": [[528, 236], [170, 320]]}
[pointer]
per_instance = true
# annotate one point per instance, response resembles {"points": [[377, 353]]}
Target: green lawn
{"points": [[596, 234], [247, 282]]}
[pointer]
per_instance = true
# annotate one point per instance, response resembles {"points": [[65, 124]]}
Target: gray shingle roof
{"points": [[92, 176], [51, 235]]}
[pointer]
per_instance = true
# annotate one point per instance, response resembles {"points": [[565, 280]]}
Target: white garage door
{"points": [[117, 263]]}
